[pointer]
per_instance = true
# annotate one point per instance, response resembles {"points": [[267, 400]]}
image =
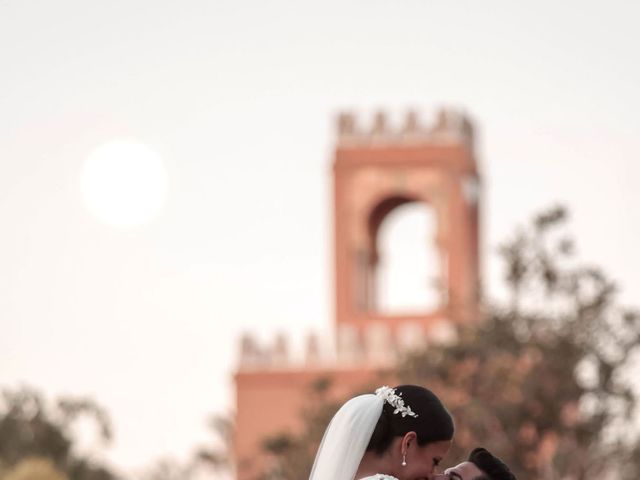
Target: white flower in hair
{"points": [[389, 395]]}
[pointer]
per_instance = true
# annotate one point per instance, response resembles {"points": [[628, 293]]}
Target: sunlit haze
{"points": [[138, 298], [124, 183]]}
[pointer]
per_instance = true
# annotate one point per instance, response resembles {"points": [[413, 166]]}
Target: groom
{"points": [[481, 465]]}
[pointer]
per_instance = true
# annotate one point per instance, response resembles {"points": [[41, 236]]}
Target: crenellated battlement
{"points": [[449, 126], [378, 347], [257, 355]]}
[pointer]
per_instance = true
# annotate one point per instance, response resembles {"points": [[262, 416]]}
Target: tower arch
{"points": [[407, 270]]}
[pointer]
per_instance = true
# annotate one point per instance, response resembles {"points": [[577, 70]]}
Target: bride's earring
{"points": [[404, 460]]}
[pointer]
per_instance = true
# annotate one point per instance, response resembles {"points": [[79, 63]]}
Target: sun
{"points": [[124, 183]]}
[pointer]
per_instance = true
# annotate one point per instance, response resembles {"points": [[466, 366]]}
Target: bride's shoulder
{"points": [[379, 476]]}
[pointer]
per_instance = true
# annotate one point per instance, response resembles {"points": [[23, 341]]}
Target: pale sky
{"points": [[238, 99]]}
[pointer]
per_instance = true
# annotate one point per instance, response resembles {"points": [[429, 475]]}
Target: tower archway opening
{"points": [[408, 276]]}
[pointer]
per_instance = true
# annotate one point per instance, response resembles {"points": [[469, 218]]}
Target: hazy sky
{"points": [[238, 99]]}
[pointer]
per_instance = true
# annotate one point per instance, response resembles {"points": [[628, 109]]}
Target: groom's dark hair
{"points": [[492, 467], [433, 423]]}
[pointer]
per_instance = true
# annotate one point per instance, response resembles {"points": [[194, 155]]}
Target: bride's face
{"points": [[423, 461]]}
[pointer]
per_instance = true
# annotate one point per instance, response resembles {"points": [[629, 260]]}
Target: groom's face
{"points": [[465, 471]]}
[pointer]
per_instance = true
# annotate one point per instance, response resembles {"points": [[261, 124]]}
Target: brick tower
{"points": [[376, 170]]}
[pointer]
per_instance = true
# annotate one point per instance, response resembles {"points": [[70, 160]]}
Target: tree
{"points": [[217, 454], [168, 469], [35, 469], [36, 435], [543, 378], [214, 457]]}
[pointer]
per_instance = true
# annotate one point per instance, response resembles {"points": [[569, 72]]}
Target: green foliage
{"points": [[34, 432], [543, 379]]}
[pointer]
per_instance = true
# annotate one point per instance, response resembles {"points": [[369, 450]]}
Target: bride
{"points": [[399, 433]]}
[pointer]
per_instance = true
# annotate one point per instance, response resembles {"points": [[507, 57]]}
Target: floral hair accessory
{"points": [[389, 395]]}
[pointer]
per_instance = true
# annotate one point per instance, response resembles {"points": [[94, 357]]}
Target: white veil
{"points": [[346, 439]]}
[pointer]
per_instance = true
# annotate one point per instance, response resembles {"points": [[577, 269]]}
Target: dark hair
{"points": [[492, 466], [433, 423]]}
